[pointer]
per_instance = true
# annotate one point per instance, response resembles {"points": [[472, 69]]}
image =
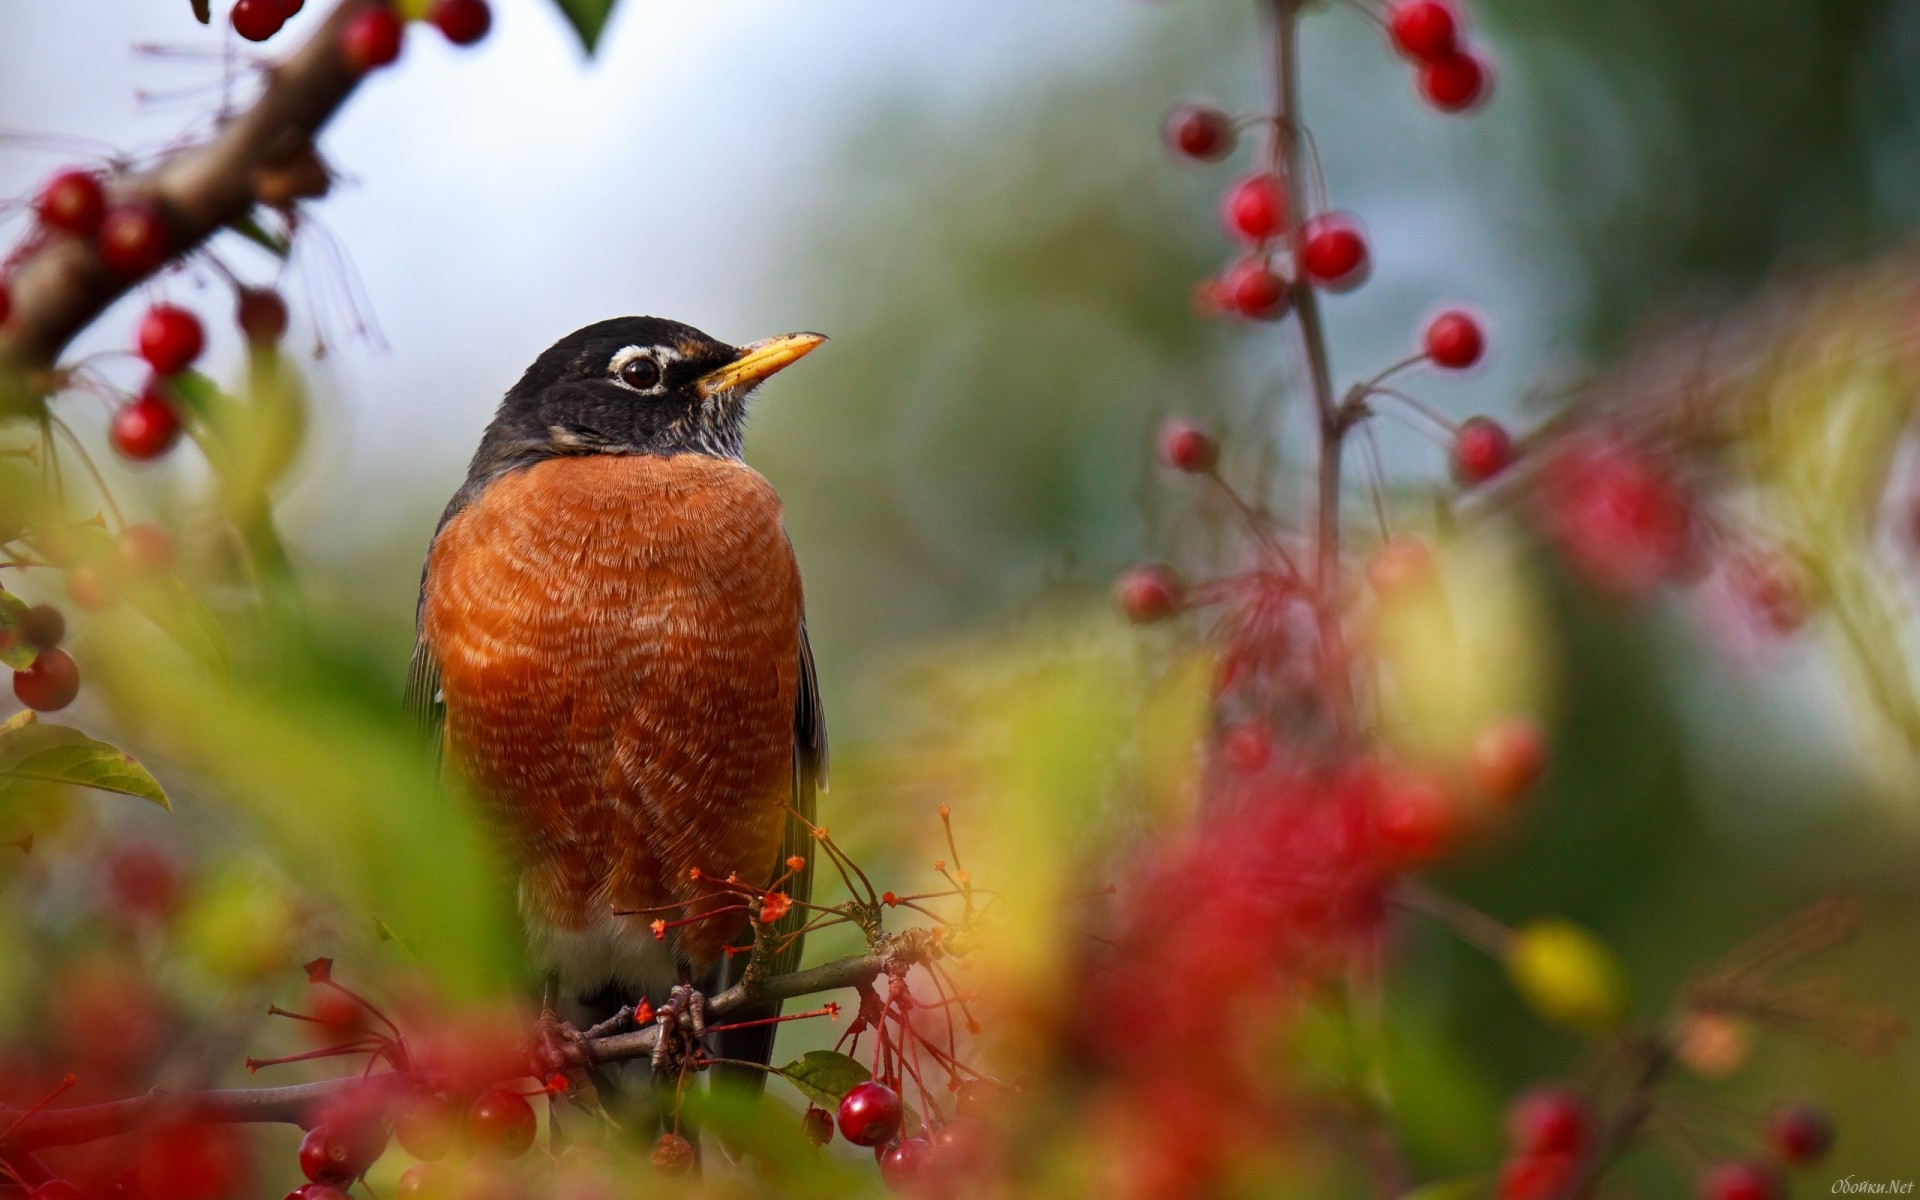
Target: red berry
{"points": [[145, 551], [1549, 1121], [1147, 594], [1401, 567], [1415, 818], [143, 882], [904, 1166], [426, 1125], [672, 1155], [500, 1124], [371, 39], [1457, 82], [1481, 449], [146, 428], [425, 1181], [50, 684], [1800, 1133], [1200, 131], [6, 302], [464, 22], [1774, 588], [1535, 1177], [330, 1155], [43, 626], [870, 1114], [170, 337], [1256, 208], [72, 202], [1186, 447], [1455, 340], [133, 238], [258, 20], [817, 1126], [1742, 1181], [1254, 291], [977, 1098], [292, 7], [261, 315], [92, 588], [317, 1191], [1424, 29], [57, 1189], [1506, 759], [1246, 747], [1333, 252]]}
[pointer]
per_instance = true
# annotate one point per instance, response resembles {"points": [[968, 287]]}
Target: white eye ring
{"points": [[638, 369]]}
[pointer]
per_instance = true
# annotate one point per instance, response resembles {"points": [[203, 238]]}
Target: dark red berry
{"points": [[292, 7], [144, 551], [1800, 1134], [1256, 208], [143, 882], [672, 1155], [258, 20], [371, 39], [1415, 819], [870, 1114], [1186, 447], [1742, 1181], [464, 22], [261, 315], [1481, 449], [341, 1155], [1200, 131], [1147, 594], [317, 1191], [72, 202], [1549, 1121], [43, 626], [57, 1189], [1333, 252], [500, 1125], [904, 1166], [817, 1126], [1255, 291], [133, 238], [1457, 82], [170, 338], [1455, 340], [50, 684], [6, 302], [93, 589], [1535, 1177], [1504, 762], [146, 427], [1424, 29], [425, 1125]]}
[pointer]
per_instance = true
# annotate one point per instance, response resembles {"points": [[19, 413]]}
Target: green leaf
{"points": [[588, 18], [263, 237], [171, 605], [15, 651], [823, 1076], [36, 753]]}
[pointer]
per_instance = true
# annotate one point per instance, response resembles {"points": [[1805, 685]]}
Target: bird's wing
{"points": [[809, 776]]}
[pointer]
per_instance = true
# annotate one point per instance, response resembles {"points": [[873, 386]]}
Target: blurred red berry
{"points": [[1255, 209], [1254, 291], [500, 1125], [1619, 515], [170, 338], [72, 202], [145, 551], [1333, 252], [904, 1166], [870, 1114], [143, 882], [43, 626], [1551, 1120], [425, 1125], [1402, 567], [425, 1181], [1455, 340], [1506, 759], [133, 238], [672, 1155], [1535, 1177], [261, 315], [1149, 593], [1481, 449], [146, 427], [92, 588], [464, 22], [6, 302], [1741, 1180], [258, 20], [371, 39], [317, 1191], [1186, 447], [1246, 747], [1456, 83], [978, 1098], [1773, 588], [1415, 819], [1200, 131], [1423, 29], [1800, 1133]]}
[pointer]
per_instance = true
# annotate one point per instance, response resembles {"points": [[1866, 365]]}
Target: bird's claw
{"points": [[673, 1042], [560, 1042]]}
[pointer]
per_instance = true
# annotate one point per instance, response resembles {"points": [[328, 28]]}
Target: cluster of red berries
{"points": [[496, 1125], [372, 38], [871, 1114], [52, 680], [170, 339], [1453, 76], [131, 233]]}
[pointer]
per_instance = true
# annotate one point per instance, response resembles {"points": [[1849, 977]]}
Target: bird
{"points": [[611, 658]]}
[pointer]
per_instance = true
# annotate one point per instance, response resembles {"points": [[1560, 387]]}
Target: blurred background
{"points": [[974, 202]]}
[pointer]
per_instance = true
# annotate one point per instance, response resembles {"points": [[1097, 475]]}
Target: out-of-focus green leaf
{"points": [[37, 753], [172, 606], [1466, 1187], [262, 237], [15, 651], [824, 1076], [588, 18]]}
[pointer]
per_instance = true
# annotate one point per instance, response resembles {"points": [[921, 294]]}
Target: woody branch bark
{"points": [[297, 1104], [60, 285]]}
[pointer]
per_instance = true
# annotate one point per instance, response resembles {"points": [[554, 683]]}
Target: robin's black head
{"points": [[632, 385]]}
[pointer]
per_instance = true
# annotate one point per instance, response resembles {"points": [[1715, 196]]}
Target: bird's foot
{"points": [[561, 1045], [675, 1044]]}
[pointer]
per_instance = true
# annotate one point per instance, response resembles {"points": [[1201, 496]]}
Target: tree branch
{"points": [[60, 286]]}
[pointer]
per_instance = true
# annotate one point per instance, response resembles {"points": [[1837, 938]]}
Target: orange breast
{"points": [[618, 645]]}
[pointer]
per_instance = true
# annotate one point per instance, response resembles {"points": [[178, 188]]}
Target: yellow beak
{"points": [[758, 361]]}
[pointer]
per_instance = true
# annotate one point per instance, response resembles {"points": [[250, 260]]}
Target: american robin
{"points": [[613, 649]]}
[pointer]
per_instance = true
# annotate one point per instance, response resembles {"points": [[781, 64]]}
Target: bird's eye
{"points": [[642, 373]]}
